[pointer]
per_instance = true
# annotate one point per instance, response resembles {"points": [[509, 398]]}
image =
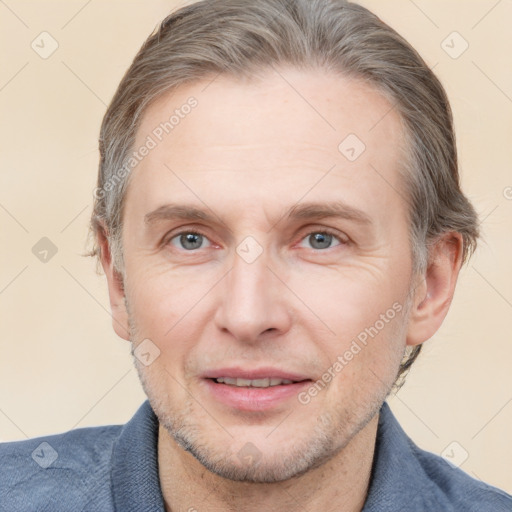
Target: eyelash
{"points": [[324, 231]]}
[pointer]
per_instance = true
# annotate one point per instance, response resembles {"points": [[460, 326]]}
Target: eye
{"points": [[189, 240], [323, 239]]}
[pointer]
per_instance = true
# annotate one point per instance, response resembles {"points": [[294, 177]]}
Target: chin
{"points": [[240, 460], [252, 464]]}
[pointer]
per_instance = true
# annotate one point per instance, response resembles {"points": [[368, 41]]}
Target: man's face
{"points": [[269, 290]]}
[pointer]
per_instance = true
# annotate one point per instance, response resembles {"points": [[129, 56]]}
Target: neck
{"points": [[339, 484]]}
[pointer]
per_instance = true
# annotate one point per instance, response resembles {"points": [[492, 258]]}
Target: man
{"points": [[279, 218]]}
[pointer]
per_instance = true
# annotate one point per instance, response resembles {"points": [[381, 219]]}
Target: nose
{"points": [[253, 302]]}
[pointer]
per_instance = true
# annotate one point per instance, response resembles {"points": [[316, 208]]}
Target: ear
{"points": [[115, 287], [434, 293]]}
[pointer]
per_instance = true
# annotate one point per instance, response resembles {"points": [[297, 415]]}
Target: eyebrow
{"points": [[302, 211], [176, 211], [335, 209]]}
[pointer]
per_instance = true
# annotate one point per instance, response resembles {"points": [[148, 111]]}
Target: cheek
{"points": [[367, 366], [172, 311], [161, 300], [364, 312], [351, 300]]}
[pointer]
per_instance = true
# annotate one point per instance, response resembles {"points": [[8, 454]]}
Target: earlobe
{"points": [[434, 293], [116, 290]]}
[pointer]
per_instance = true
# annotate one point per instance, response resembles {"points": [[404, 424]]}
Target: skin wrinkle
{"points": [[297, 309]]}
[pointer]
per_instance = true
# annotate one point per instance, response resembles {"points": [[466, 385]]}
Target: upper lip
{"points": [[253, 374]]}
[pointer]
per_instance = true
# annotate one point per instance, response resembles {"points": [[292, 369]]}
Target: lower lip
{"points": [[252, 398]]}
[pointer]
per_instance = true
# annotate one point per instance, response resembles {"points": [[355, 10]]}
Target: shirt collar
{"points": [[135, 480], [398, 481]]}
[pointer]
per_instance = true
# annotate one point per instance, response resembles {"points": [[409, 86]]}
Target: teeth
{"points": [[260, 383], [255, 383]]}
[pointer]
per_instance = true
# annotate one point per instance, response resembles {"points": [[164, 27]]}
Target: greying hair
{"points": [[240, 38]]}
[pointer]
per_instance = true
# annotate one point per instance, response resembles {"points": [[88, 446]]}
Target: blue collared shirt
{"points": [[115, 468]]}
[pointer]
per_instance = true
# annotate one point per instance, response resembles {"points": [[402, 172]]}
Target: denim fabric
{"points": [[115, 468]]}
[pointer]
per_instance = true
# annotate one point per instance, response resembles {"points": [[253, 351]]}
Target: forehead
{"points": [[278, 134]]}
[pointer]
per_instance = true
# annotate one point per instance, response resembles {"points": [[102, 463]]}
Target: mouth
{"points": [[266, 382], [258, 390]]}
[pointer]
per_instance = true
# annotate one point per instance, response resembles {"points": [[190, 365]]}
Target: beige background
{"points": [[62, 366]]}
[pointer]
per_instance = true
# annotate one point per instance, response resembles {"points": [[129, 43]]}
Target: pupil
{"points": [[191, 240], [321, 240]]}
